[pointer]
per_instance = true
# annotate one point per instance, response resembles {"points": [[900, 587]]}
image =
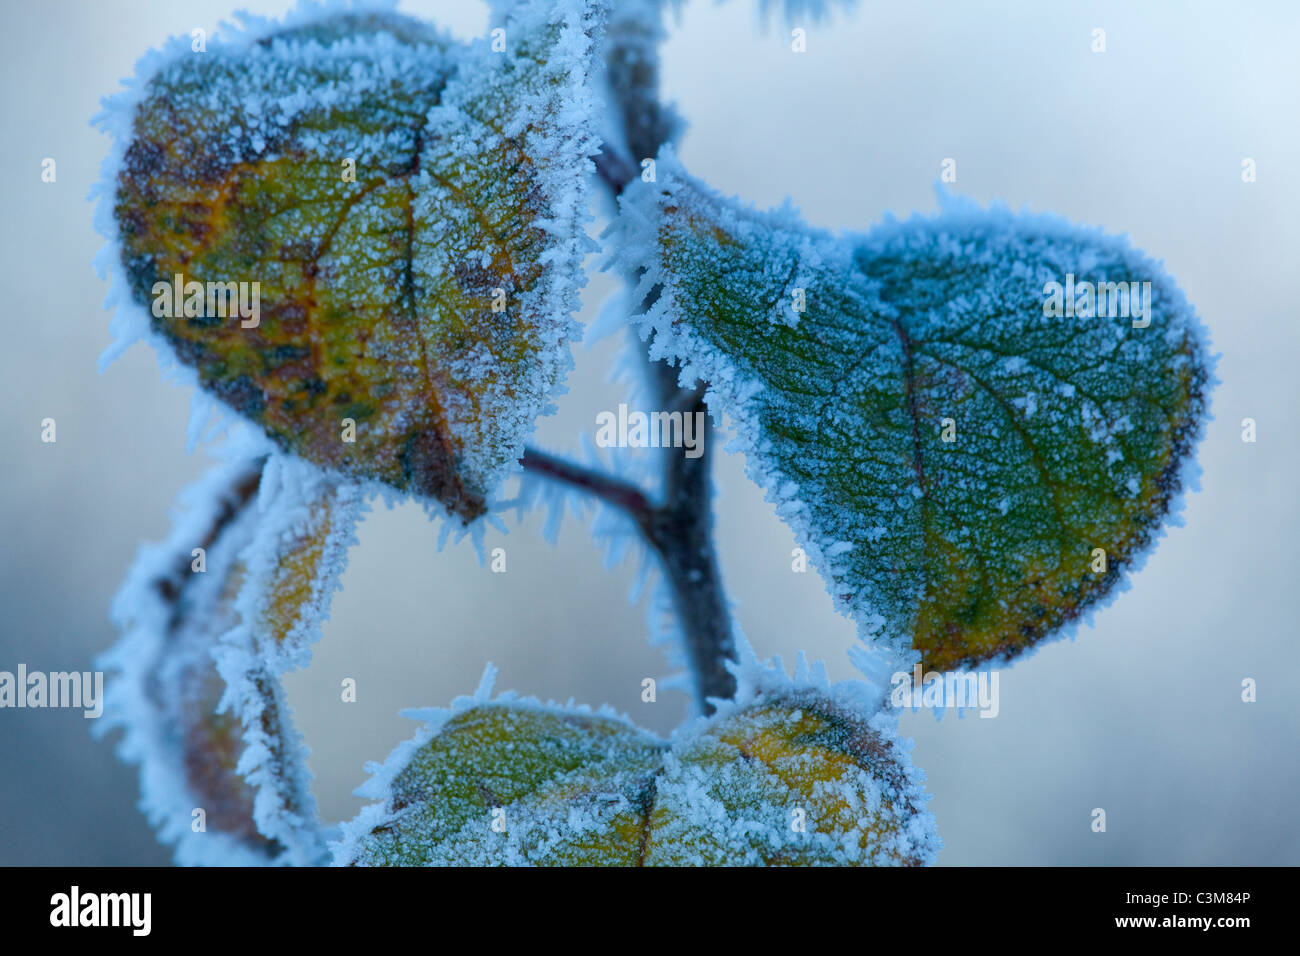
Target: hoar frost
{"points": [[795, 770]]}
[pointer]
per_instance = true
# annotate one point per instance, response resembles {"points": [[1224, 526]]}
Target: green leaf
{"points": [[533, 767], [952, 459], [790, 775], [411, 212]]}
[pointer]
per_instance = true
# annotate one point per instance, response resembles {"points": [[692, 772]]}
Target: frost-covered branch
{"points": [[680, 528], [606, 487], [682, 533]]}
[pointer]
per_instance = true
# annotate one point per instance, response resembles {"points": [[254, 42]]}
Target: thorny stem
{"points": [[679, 529]]}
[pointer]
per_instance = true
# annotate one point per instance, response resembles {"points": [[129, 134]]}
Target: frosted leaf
{"points": [[793, 772], [918, 404], [164, 688], [537, 768], [207, 635], [286, 576], [411, 210], [789, 780], [305, 526]]}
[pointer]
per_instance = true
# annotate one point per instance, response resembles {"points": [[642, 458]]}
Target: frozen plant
{"points": [[364, 241]]}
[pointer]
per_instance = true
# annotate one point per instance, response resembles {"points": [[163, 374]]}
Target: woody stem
{"points": [[679, 529]]}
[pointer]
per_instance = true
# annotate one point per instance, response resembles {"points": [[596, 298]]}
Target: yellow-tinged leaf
{"points": [[164, 688], [790, 780], [795, 775], [366, 239]]}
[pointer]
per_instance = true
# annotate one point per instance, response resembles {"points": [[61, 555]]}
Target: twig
{"points": [[680, 528], [683, 533], [615, 491], [679, 531]]}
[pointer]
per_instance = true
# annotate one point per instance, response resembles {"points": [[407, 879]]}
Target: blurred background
{"points": [[1140, 714]]}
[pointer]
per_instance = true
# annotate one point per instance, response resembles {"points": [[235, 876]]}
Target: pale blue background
{"points": [[1140, 715]]}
